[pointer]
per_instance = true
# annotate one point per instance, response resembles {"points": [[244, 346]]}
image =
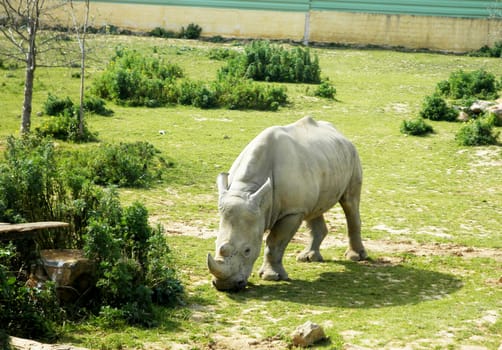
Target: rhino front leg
{"points": [[350, 205], [277, 241], [318, 230]]}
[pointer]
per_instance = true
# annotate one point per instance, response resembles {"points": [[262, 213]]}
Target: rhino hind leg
{"points": [[350, 204], [276, 243], [318, 230]]}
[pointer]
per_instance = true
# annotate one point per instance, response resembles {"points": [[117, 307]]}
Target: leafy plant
{"points": [[477, 132], [134, 79], [57, 106], [192, 31], [487, 51], [435, 107], [66, 127], [221, 54], [326, 89], [263, 61], [135, 271], [465, 85], [125, 164], [160, 32], [416, 127], [25, 312]]}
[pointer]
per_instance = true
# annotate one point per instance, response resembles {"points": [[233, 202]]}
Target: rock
{"points": [[463, 117], [70, 270], [495, 109], [26, 344], [308, 334], [480, 106]]}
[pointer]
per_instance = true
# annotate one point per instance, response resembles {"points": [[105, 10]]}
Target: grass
{"points": [[420, 192]]}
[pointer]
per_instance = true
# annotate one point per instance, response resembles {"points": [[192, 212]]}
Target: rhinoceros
{"points": [[286, 175]]}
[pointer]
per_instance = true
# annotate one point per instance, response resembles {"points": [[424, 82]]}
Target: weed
{"points": [[326, 89], [416, 127], [477, 132], [464, 85], [263, 61], [435, 108]]}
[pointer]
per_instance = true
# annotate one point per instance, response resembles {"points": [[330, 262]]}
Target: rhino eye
{"points": [[247, 251]]}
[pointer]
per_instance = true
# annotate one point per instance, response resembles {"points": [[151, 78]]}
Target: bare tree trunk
{"points": [[81, 36], [31, 63]]}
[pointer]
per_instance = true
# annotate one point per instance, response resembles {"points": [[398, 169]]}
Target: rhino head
{"points": [[240, 235]]}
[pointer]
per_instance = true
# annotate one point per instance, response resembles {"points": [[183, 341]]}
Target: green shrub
{"points": [[326, 89], [416, 127], [486, 51], [477, 132], [222, 54], [57, 106], [135, 271], [97, 106], [464, 85], [159, 32], [263, 61], [435, 108], [134, 79], [192, 31], [244, 94], [25, 312], [66, 127], [125, 164]]}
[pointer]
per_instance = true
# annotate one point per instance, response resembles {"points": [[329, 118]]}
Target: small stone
{"points": [[463, 117], [308, 334]]}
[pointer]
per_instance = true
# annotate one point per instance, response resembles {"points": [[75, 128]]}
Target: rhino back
{"points": [[310, 163]]}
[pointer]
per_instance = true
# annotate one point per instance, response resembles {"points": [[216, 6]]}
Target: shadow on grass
{"points": [[358, 285]]}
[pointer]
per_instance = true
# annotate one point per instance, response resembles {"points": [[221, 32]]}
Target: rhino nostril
{"points": [[241, 284]]}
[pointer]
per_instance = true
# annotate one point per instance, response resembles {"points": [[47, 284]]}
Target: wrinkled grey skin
{"points": [[287, 174]]}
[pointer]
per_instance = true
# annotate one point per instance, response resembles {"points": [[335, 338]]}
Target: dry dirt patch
{"points": [[378, 246]]}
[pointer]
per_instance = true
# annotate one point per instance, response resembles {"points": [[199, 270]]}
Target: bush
{"points": [[135, 271], [97, 106], [467, 85], [243, 94], [66, 127], [435, 108], [25, 312], [221, 54], [192, 31], [263, 61], [57, 106], [134, 79], [486, 51], [326, 89], [477, 132], [126, 164], [416, 127], [159, 32]]}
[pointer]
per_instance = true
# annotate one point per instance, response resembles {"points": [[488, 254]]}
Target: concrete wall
{"points": [[437, 33], [432, 32]]}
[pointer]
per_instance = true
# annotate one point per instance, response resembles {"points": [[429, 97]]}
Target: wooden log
{"points": [[9, 232], [27, 344]]}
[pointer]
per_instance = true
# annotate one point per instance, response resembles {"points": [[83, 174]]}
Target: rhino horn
{"points": [[217, 268], [222, 182]]}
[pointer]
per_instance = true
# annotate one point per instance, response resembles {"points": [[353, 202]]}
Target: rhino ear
{"points": [[263, 194], [222, 182]]}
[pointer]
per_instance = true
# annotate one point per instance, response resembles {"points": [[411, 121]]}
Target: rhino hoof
{"points": [[310, 256], [356, 256], [271, 275]]}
